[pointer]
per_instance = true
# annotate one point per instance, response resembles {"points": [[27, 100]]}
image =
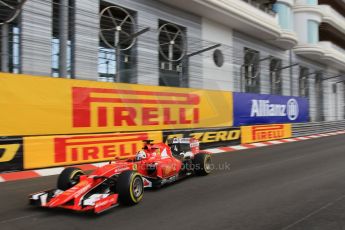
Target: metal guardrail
{"points": [[310, 128]]}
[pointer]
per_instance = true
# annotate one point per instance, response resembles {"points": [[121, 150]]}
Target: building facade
{"points": [[282, 47]]}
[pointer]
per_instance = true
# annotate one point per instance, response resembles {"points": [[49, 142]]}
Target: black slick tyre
{"points": [[202, 164], [69, 177], [130, 187]]}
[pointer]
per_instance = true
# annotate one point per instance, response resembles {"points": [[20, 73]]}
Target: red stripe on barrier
{"points": [[226, 149], [284, 140], [267, 143], [249, 146], [19, 175]]}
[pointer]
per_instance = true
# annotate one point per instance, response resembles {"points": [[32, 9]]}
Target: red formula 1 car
{"points": [[123, 181]]}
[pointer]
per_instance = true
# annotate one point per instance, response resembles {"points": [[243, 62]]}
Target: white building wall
{"points": [[339, 102], [312, 99], [37, 38], [329, 101], [86, 39], [301, 24], [214, 77], [334, 105], [330, 98]]}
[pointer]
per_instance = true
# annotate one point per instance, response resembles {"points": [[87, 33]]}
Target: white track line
{"points": [[1, 179], [49, 172], [275, 142], [324, 135], [258, 144], [290, 140], [239, 147], [313, 213], [302, 138], [314, 136]]}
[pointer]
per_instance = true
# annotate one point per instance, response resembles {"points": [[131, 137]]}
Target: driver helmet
{"points": [[140, 155]]}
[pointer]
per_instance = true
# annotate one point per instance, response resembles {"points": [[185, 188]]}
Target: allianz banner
{"points": [[250, 109]]}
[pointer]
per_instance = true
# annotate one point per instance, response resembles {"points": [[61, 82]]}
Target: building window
{"points": [[276, 76], [117, 47], [285, 15], [250, 71], [15, 65], [303, 82], [10, 36], [173, 67], [10, 48], [313, 32], [62, 38]]}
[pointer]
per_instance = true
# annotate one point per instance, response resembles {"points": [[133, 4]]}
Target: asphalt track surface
{"points": [[295, 186]]}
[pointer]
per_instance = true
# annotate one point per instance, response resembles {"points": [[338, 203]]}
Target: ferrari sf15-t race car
{"points": [[123, 181]]}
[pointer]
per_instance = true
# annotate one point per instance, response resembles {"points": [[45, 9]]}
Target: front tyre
{"points": [[202, 164], [130, 187], [69, 177]]}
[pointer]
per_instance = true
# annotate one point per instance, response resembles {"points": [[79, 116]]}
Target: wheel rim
{"points": [[137, 187], [75, 178], [208, 163]]}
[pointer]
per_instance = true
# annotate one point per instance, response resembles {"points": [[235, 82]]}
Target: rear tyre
{"points": [[202, 164], [69, 177], [130, 187]]}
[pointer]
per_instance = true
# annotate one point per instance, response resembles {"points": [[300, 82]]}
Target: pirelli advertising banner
{"points": [[260, 133], [50, 151], [44, 105], [251, 109], [208, 137]]}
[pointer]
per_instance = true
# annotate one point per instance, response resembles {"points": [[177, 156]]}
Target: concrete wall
{"points": [[301, 24], [36, 36], [86, 39], [214, 77]]}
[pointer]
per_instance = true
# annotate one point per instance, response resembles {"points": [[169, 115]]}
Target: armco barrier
{"points": [[310, 128]]}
